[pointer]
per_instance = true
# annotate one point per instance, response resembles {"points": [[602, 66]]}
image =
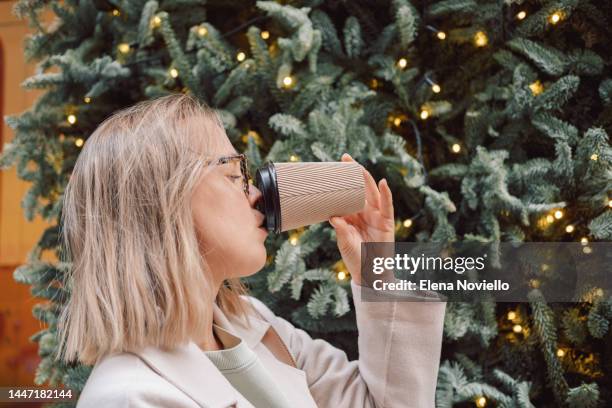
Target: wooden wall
{"points": [[18, 356]]}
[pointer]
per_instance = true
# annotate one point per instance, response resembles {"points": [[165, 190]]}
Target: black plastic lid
{"points": [[269, 204]]}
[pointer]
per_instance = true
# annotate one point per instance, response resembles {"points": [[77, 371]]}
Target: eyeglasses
{"points": [[244, 168]]}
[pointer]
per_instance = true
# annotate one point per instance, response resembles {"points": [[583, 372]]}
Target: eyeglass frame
{"points": [[244, 168]]}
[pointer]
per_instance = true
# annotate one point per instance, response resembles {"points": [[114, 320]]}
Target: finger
{"points": [[386, 199]]}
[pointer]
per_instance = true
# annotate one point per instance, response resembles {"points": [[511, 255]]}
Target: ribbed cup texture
{"points": [[311, 192]]}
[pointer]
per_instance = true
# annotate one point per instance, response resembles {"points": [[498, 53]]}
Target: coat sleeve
{"points": [[399, 355]]}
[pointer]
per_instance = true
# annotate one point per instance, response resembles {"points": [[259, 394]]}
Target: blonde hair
{"points": [[138, 277]]}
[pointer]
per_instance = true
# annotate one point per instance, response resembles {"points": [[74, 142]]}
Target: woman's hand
{"points": [[375, 223]]}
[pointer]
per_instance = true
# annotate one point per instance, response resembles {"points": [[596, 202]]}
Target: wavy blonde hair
{"points": [[138, 277]]}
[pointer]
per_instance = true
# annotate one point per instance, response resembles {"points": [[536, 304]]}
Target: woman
{"points": [[160, 223]]}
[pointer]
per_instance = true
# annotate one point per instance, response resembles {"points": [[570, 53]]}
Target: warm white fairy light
{"points": [[71, 119], [558, 214], [536, 87], [424, 113], [481, 39], [174, 72], [555, 17], [265, 35], [610, 203], [79, 142], [517, 328], [456, 148], [87, 99], [341, 275], [481, 402], [156, 22], [511, 315], [202, 31], [116, 12], [407, 223], [569, 229], [402, 63], [560, 352], [124, 48], [241, 56], [436, 88], [287, 81], [521, 14], [584, 240], [594, 157], [441, 35], [294, 158], [550, 219]]}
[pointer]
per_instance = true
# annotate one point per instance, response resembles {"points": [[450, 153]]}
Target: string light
{"points": [[441, 35], [569, 229], [407, 223], [521, 14], [265, 35], [534, 283], [240, 56], [79, 142], [544, 267], [87, 99], [116, 12], [374, 83], [555, 17], [584, 240], [287, 81], [594, 157], [174, 72], [202, 31], [293, 238], [254, 135], [294, 158], [436, 88], [536, 87], [610, 203], [558, 214], [341, 275], [456, 148], [587, 250], [424, 113], [71, 119], [517, 328], [481, 39], [550, 219], [397, 121], [155, 22], [402, 63], [511, 315], [481, 402], [124, 48], [560, 352]]}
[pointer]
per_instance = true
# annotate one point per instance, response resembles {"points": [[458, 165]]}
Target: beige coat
{"points": [[399, 352]]}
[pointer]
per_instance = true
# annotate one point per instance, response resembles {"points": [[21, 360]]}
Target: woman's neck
{"points": [[211, 344]]}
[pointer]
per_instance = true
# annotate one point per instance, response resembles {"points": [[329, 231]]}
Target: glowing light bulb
{"points": [[293, 158], [202, 31], [521, 15], [481, 39], [456, 148], [560, 352], [407, 223], [481, 402], [550, 219], [584, 240], [397, 121], [240, 56], [555, 17], [441, 35], [341, 275], [116, 12], [424, 114], [124, 48], [79, 142], [594, 157], [511, 315], [402, 62], [569, 229], [517, 328], [287, 81], [436, 88], [558, 214], [155, 22], [71, 119], [610, 203], [536, 87], [87, 99], [265, 35]]}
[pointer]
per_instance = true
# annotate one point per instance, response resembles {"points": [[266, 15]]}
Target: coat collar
{"points": [[184, 365]]}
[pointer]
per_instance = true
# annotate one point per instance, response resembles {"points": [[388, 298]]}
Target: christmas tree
{"points": [[490, 120]]}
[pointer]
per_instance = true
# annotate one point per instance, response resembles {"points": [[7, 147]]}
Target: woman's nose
{"points": [[254, 195]]}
